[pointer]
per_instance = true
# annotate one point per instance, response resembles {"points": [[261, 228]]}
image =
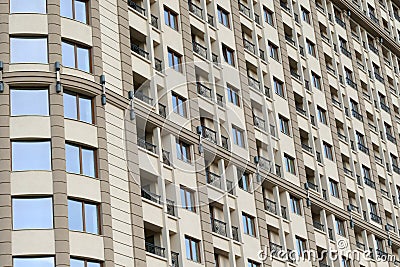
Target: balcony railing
{"points": [[225, 142], [340, 22], [351, 83], [257, 19], [196, 10], [235, 233], [204, 91], [357, 115], [199, 49], [253, 83], [210, 20], [262, 54], [259, 123], [363, 148], [290, 39], [244, 9], [318, 156], [170, 207], [146, 145], [376, 218], [220, 100], [166, 157], [264, 163], [300, 110], [369, 182], [270, 206], [218, 227], [373, 18], [249, 46], [215, 59], [209, 134], [385, 107], [162, 110], [156, 250], [137, 7], [278, 171], [151, 196], [391, 138], [373, 49], [306, 147], [141, 96], [353, 207], [312, 186], [175, 259], [284, 212], [294, 73], [275, 249], [154, 21], [285, 6], [319, 226], [272, 130], [396, 169], [360, 245], [379, 77], [342, 136], [347, 171], [345, 52], [330, 234], [158, 64], [213, 179], [229, 187]]}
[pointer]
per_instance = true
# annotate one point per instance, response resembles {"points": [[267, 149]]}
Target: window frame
{"points": [[179, 109], [223, 14], [246, 186], [95, 160], [301, 245], [85, 261], [227, 51], [28, 37], [190, 256], [34, 257], [12, 141], [279, 87], [28, 12], [32, 198], [305, 15], [191, 193], [87, 11], [311, 48], [269, 16], [236, 140], [83, 214], [290, 164], [251, 263], [340, 227], [177, 66], [273, 51], [233, 95], [328, 150], [295, 205], [76, 46], [284, 125], [334, 188], [172, 14], [30, 88], [322, 115], [249, 224], [316, 80], [183, 145], [78, 96]]}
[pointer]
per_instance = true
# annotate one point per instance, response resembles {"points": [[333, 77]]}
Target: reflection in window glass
{"points": [[70, 106], [33, 262], [28, 50], [68, 7], [68, 55], [81, 263], [85, 109], [32, 213], [91, 220], [83, 217], [80, 160], [75, 219], [88, 167], [72, 159], [29, 102], [71, 103], [28, 6], [80, 11], [83, 59], [30, 156]]}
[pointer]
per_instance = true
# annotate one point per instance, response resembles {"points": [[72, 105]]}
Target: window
{"points": [[289, 163], [284, 125], [295, 205], [183, 151], [75, 9], [80, 160], [316, 80], [179, 104], [251, 263], [278, 86], [33, 262], [187, 198], [78, 107], [273, 51], [244, 181], [28, 50], [366, 172], [238, 136], [334, 188], [269, 16], [28, 6], [328, 151], [29, 102], [229, 55], [32, 213], [345, 262], [339, 227], [373, 207], [233, 96], [192, 249], [174, 60], [31, 156], [311, 48], [223, 16], [248, 225], [300, 246], [83, 217], [171, 18], [76, 56], [321, 115], [83, 263], [305, 14]]}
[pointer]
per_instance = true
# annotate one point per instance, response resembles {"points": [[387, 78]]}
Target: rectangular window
{"points": [[244, 181], [31, 156], [83, 263], [28, 50], [174, 60], [289, 163], [33, 262], [316, 80], [322, 115], [301, 246], [192, 249], [187, 198], [171, 18], [273, 51], [278, 86], [179, 104], [80, 160], [28, 6], [83, 217], [251, 263], [32, 213], [26, 102], [284, 125], [269, 16], [248, 225], [78, 107], [183, 151], [238, 136], [311, 48], [223, 16], [305, 14], [334, 188], [339, 227], [328, 151], [75, 9], [229, 55], [366, 173], [295, 205], [76, 56], [233, 95]]}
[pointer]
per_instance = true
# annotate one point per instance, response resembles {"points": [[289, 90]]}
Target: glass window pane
{"points": [[91, 219], [166, 17], [28, 6], [85, 110], [75, 219], [72, 159], [29, 102], [93, 264], [77, 263], [70, 107], [187, 245], [80, 11], [88, 167], [33, 262], [83, 59], [68, 55], [194, 251], [189, 200], [66, 8], [32, 213], [29, 156], [28, 50]]}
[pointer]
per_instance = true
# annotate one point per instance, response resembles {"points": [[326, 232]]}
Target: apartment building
{"points": [[198, 133]]}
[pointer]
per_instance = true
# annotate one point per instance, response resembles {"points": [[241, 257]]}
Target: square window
{"points": [[28, 50]]}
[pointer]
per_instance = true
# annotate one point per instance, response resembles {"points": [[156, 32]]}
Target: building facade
{"points": [[200, 133]]}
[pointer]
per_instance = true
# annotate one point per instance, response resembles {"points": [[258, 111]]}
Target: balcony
{"points": [[156, 250], [318, 156], [363, 148], [306, 147], [204, 91], [357, 115], [171, 207], [158, 64], [342, 136], [351, 83], [218, 227], [284, 212], [270, 206], [139, 51], [360, 245], [244, 9], [289, 38], [162, 110], [391, 138], [259, 123], [166, 157], [209, 134], [255, 84], [373, 18], [235, 233], [312, 186], [347, 171], [396, 169], [301, 110], [373, 49], [146, 145], [220, 100], [379, 77], [137, 7], [213, 179], [225, 142], [319, 226], [210, 20], [196, 10], [385, 107], [200, 50], [369, 182], [275, 249], [345, 52], [278, 171], [353, 207], [142, 97], [285, 6], [294, 74], [249, 46], [340, 22], [262, 54], [330, 234], [151, 196], [154, 21], [376, 218]]}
